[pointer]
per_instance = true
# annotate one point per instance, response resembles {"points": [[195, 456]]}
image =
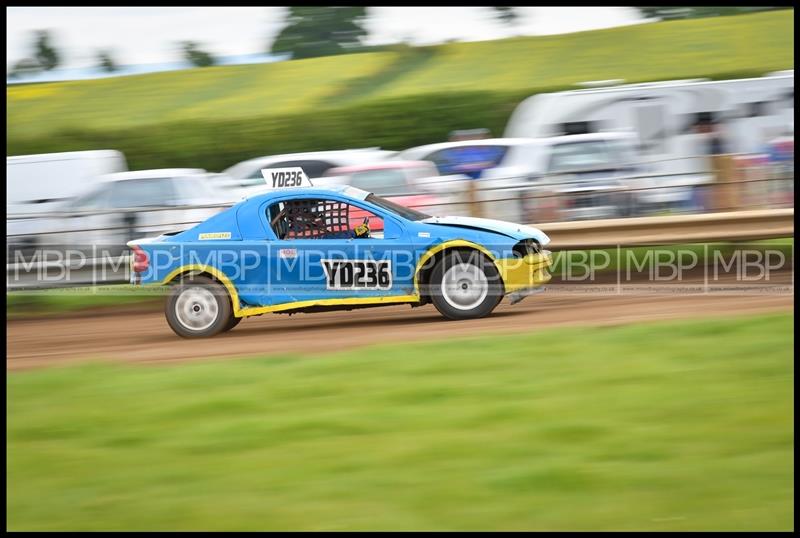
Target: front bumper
{"points": [[526, 273]]}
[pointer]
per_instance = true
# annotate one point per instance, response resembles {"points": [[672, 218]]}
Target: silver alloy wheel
{"points": [[196, 308], [464, 286]]}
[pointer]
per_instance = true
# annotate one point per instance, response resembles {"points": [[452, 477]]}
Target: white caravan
{"points": [[664, 116], [35, 184]]}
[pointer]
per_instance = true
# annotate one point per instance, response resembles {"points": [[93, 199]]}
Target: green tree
{"points": [[26, 66], [506, 15], [321, 31], [106, 62], [197, 57], [44, 52], [685, 12]]}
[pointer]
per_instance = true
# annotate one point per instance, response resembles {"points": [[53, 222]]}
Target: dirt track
{"points": [[143, 335]]}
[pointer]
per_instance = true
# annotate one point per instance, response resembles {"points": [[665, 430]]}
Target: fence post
{"points": [[725, 185], [475, 209]]}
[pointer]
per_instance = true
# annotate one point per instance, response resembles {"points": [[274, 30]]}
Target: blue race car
{"points": [[306, 249]]}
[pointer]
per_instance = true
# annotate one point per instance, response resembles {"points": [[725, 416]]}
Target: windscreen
{"points": [[241, 170], [583, 155], [142, 193], [381, 181], [468, 160], [397, 209], [197, 187]]}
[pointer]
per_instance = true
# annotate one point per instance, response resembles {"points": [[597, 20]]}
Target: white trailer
{"points": [[37, 183], [664, 116]]}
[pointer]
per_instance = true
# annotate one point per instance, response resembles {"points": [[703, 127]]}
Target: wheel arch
{"points": [[179, 274], [435, 254]]}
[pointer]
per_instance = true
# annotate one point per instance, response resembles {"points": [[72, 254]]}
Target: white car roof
{"points": [[154, 174], [461, 143], [364, 153], [519, 141], [67, 155], [588, 137]]}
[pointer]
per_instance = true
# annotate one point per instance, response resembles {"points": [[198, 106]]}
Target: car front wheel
{"points": [[465, 285]]}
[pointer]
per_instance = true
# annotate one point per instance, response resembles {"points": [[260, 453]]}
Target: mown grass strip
{"points": [[663, 426]]}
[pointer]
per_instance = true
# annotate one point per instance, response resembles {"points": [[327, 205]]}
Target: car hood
{"points": [[510, 229]]}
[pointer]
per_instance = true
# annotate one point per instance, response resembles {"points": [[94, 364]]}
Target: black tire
{"points": [[232, 322], [473, 303], [199, 307]]}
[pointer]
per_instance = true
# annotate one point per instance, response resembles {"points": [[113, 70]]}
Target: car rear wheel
{"points": [[465, 285], [233, 322], [199, 307]]}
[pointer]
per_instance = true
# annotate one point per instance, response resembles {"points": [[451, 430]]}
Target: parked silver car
{"points": [[120, 207], [540, 179]]}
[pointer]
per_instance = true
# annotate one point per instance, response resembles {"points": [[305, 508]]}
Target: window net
{"points": [[316, 218]]}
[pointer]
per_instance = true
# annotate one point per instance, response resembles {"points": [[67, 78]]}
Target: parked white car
{"points": [[120, 207], [247, 174], [538, 179], [36, 183], [414, 184]]}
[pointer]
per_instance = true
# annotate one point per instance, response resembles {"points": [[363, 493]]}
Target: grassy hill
{"points": [[214, 92], [720, 47]]}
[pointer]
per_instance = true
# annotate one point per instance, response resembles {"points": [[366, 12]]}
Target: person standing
{"points": [[716, 148]]}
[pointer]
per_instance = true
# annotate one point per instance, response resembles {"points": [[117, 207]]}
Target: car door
{"points": [[387, 243], [313, 255]]}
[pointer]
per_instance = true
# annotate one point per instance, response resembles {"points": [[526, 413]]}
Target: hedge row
{"points": [[214, 145]]}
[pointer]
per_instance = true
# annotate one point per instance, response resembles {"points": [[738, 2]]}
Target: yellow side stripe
{"points": [[393, 299]]}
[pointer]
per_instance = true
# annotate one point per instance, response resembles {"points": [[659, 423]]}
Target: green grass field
{"points": [[667, 426], [720, 47]]}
